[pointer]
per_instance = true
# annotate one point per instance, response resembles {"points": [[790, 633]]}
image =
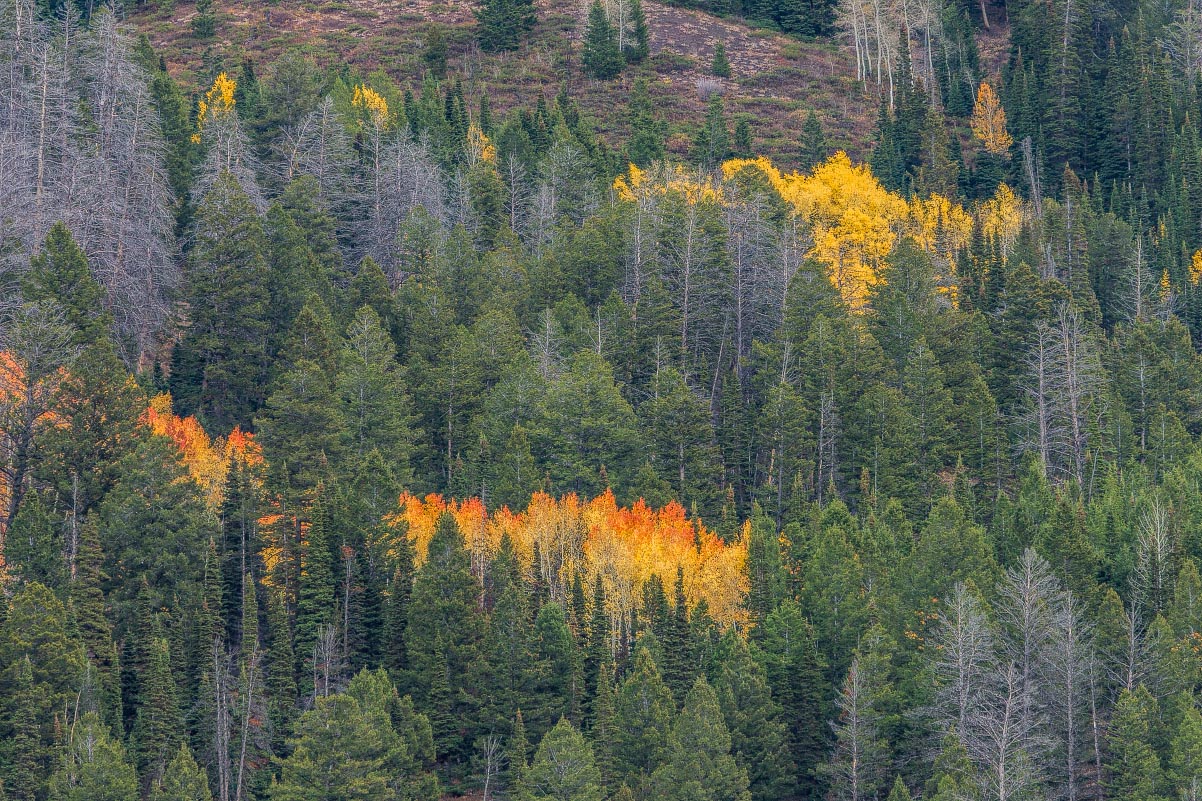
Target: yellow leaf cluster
{"points": [[855, 220], [1195, 267], [218, 101], [623, 546], [479, 146], [206, 460], [940, 227], [639, 185], [989, 121], [373, 105], [1001, 219]]}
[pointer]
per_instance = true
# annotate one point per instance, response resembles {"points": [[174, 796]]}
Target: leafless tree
{"points": [[1153, 556], [857, 765], [964, 656]]}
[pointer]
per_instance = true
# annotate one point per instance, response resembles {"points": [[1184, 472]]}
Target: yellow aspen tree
{"points": [[989, 121]]}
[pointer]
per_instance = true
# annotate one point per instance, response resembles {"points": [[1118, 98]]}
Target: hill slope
{"points": [[775, 80]]}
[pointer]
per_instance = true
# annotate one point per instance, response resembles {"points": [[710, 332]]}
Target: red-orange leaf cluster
{"points": [[625, 546]]}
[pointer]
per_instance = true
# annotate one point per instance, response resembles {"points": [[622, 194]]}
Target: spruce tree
{"points": [[158, 726], [646, 143], [376, 403], [316, 587], [501, 24], [1135, 769], [759, 738], [602, 58], [563, 768], [443, 637], [698, 763], [93, 626], [643, 712], [712, 145], [720, 66], [228, 306], [93, 766], [60, 275], [639, 46], [183, 780], [814, 148]]}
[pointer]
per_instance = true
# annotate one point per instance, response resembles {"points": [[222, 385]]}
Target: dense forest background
{"points": [[372, 436]]}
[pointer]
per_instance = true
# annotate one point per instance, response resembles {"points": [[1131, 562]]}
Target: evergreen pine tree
{"points": [[639, 46], [720, 66], [95, 631], [59, 274], [1135, 770], [698, 763], [643, 711], [712, 145], [158, 726], [563, 768], [93, 766], [226, 338], [814, 148], [646, 143], [183, 780], [602, 58]]}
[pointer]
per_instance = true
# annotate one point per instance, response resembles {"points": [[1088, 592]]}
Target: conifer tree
{"points": [[225, 347], [443, 637], [563, 768], [1135, 769], [90, 621], [698, 763], [316, 587], [60, 275], [639, 46], [759, 738], [601, 57], [93, 766], [720, 66], [646, 143], [183, 780], [712, 145], [374, 395], [158, 726], [814, 149], [517, 755], [501, 24], [643, 711]]}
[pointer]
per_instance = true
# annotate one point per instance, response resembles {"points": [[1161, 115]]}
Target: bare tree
{"points": [[1153, 556], [857, 765], [964, 657]]}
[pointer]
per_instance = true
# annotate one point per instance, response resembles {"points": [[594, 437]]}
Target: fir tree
{"points": [[646, 143], [638, 47], [1135, 770], [643, 717], [563, 768], [183, 780], [698, 764], [59, 275], [814, 148], [158, 726], [602, 58], [712, 145], [720, 66], [93, 766]]}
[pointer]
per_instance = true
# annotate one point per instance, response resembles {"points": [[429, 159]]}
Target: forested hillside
{"points": [[524, 401]]}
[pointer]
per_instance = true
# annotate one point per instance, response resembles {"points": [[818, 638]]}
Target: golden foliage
{"points": [[373, 105], [217, 102], [1001, 219], [479, 146], [1195, 267], [941, 228], [855, 220], [640, 185], [989, 121], [625, 546], [207, 461]]}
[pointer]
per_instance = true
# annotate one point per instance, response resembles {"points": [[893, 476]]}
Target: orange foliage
{"points": [[207, 461], [625, 546]]}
